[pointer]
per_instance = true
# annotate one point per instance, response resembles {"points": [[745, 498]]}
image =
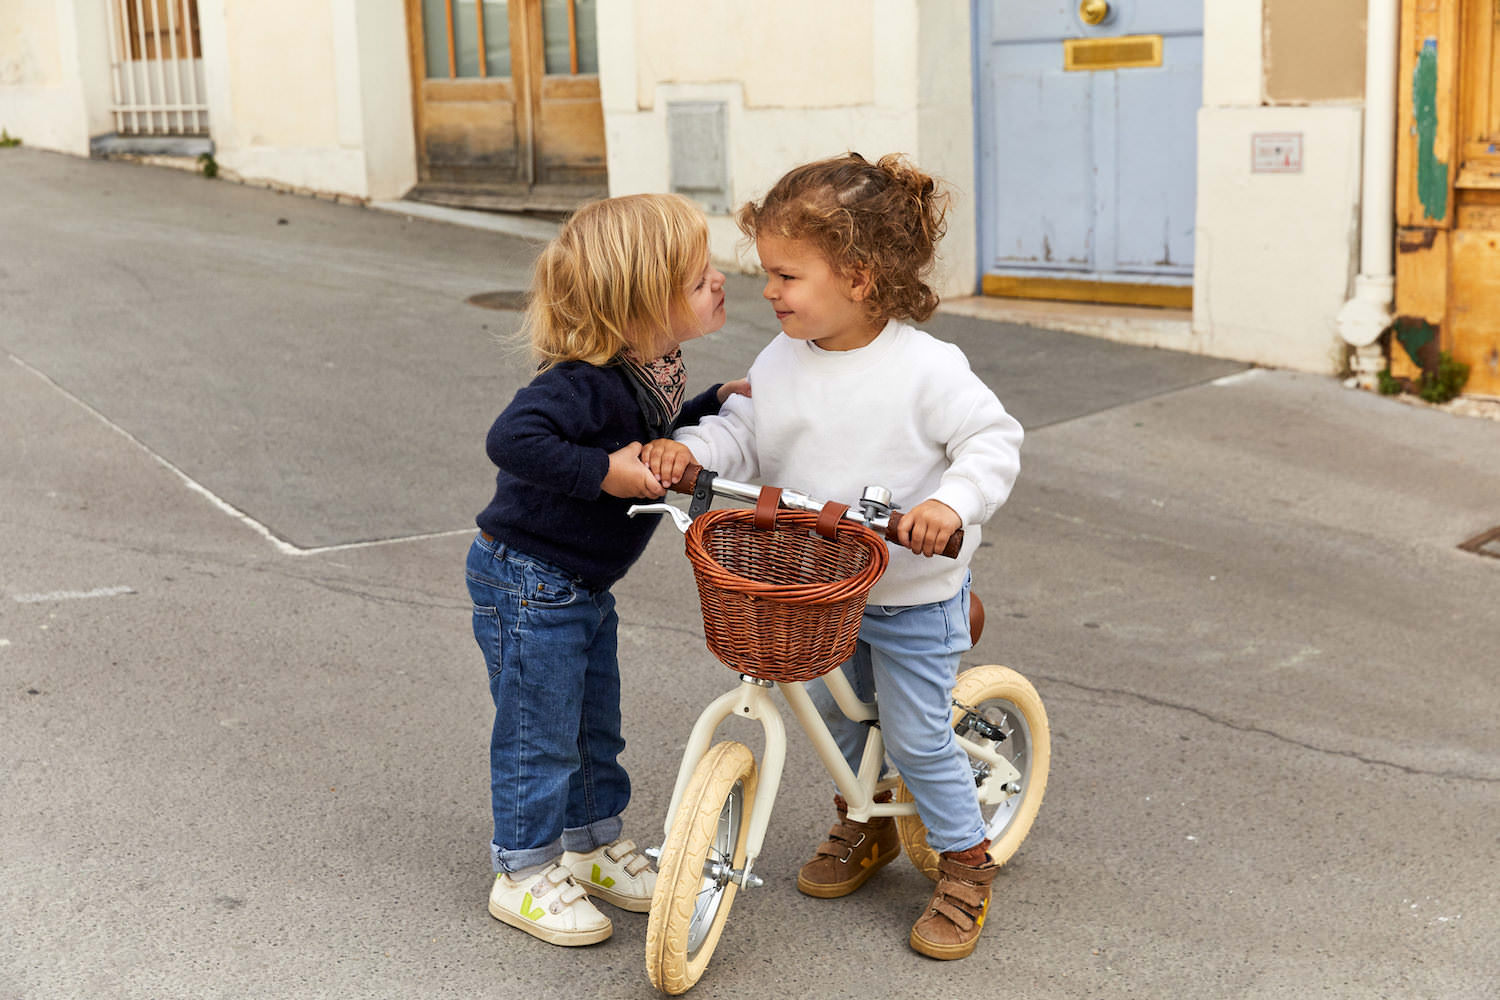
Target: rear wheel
{"points": [[693, 887], [1005, 703]]}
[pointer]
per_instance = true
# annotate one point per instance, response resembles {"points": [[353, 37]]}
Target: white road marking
{"points": [[72, 595], [282, 546], [1238, 377]]}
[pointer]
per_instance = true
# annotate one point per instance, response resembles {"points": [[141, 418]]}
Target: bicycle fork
{"points": [[751, 700]]}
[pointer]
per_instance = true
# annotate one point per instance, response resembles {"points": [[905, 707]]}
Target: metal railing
{"points": [[156, 67]]}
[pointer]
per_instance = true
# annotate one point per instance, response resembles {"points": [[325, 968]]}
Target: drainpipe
{"points": [[1367, 314]]}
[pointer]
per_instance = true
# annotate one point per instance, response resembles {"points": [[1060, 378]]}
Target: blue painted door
{"points": [[1087, 173]]}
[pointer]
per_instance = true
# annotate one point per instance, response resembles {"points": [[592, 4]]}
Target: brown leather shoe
{"points": [[950, 926], [851, 854]]}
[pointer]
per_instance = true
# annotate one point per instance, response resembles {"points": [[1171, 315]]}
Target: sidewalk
{"points": [[245, 726]]}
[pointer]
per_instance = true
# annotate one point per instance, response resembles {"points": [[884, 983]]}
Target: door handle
{"points": [[1093, 11]]}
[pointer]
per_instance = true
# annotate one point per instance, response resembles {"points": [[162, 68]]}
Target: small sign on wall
{"points": [[1276, 153]]}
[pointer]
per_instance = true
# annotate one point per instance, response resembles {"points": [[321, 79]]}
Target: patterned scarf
{"points": [[659, 386]]}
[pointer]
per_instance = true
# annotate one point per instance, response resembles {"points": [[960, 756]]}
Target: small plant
{"points": [[209, 164], [7, 140], [1445, 382], [1388, 384]]}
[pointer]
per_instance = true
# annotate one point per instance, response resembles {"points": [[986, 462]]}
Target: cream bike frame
{"points": [[711, 846]]}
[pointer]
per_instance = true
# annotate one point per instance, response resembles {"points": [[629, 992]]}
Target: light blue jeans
{"points": [[910, 655], [550, 645]]}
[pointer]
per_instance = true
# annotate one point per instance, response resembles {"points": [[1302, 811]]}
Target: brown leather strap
{"points": [[765, 507], [688, 482], [828, 518]]}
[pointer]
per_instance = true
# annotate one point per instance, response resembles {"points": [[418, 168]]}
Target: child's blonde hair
{"points": [[613, 279], [881, 219]]}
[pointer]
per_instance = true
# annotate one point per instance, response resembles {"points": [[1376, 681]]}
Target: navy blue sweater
{"points": [[551, 446]]}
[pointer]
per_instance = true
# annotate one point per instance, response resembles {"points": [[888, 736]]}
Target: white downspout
{"points": [[1367, 314]]}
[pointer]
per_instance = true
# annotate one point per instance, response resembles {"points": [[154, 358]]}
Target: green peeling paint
{"points": [[1414, 335], [1432, 173]]}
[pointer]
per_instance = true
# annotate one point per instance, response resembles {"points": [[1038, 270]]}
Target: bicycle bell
{"points": [[876, 502]]}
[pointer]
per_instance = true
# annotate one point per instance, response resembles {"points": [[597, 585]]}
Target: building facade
{"points": [[1246, 163]]}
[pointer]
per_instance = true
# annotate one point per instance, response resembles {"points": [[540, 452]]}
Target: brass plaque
{"points": [[1125, 52]]}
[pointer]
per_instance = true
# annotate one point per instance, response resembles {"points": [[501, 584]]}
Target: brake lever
{"points": [[680, 519]]}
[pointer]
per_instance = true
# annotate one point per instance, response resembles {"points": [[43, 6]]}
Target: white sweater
{"points": [[904, 412]]}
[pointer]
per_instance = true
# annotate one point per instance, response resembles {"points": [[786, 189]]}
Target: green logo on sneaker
{"points": [[528, 911], [597, 877]]}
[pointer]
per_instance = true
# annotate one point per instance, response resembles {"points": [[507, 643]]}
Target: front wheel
{"points": [[1008, 703], [693, 886]]}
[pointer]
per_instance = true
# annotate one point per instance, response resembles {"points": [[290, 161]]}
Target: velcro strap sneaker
{"points": [[616, 873], [852, 853], [548, 905], [950, 926]]}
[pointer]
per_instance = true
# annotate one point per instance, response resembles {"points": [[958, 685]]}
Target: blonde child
{"points": [[850, 395], [625, 281]]}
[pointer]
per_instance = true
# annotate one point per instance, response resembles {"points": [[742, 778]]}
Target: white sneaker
{"points": [[549, 905], [616, 873]]}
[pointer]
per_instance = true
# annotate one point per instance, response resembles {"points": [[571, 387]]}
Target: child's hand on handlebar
{"points": [[628, 477], [667, 459], [928, 527]]}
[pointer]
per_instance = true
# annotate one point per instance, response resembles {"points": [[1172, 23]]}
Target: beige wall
{"points": [[1276, 252], [779, 52], [1314, 51], [281, 75], [308, 94], [311, 95], [54, 72], [29, 52], [383, 88], [800, 80]]}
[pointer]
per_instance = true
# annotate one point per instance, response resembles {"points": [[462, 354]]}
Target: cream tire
{"points": [[693, 892], [1006, 699]]}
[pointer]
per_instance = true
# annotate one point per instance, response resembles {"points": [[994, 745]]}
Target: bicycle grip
{"points": [[689, 481], [955, 540]]}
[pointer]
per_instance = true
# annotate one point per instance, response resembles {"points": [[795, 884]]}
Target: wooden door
{"points": [[1448, 190], [506, 97], [1088, 148]]}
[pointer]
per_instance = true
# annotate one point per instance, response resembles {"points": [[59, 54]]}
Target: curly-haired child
{"points": [[850, 394]]}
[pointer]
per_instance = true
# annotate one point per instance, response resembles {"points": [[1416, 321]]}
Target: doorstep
{"points": [[1129, 324], [112, 144]]}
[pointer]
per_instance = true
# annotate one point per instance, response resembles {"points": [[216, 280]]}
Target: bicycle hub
{"points": [[972, 722]]}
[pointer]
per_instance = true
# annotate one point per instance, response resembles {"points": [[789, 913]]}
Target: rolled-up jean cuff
{"points": [[519, 861], [583, 839]]}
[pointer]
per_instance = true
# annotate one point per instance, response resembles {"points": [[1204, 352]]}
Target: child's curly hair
{"points": [[883, 219]]}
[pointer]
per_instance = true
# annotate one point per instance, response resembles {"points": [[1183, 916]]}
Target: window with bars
{"points": [[156, 71], [161, 29]]}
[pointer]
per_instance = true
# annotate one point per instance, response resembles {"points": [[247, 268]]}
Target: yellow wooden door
{"points": [[1448, 190], [506, 97]]}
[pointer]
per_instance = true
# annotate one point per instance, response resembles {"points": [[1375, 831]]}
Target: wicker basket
{"points": [[782, 603]]}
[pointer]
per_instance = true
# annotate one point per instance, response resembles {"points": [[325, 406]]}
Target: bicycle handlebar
{"points": [[885, 525]]}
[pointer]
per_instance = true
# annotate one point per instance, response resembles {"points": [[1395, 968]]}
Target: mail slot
{"points": [[1125, 52]]}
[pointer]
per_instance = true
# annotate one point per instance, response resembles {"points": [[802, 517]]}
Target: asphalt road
{"points": [[244, 725]]}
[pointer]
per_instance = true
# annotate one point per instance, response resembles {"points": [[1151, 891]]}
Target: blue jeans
{"points": [[911, 655], [550, 645]]}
